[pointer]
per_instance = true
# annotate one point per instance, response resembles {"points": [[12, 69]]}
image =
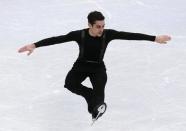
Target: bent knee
{"points": [[70, 87]]}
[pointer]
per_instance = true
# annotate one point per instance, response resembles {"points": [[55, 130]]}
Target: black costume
{"points": [[90, 61]]}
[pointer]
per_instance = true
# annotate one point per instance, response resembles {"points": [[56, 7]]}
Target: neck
{"points": [[91, 33]]}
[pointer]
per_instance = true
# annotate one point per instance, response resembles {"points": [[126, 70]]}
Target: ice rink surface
{"points": [[146, 89]]}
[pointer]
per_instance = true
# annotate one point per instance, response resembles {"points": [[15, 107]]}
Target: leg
{"points": [[73, 83], [98, 81]]}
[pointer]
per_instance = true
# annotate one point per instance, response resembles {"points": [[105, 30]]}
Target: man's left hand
{"points": [[162, 39]]}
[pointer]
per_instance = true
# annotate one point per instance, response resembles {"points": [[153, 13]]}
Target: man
{"points": [[92, 43]]}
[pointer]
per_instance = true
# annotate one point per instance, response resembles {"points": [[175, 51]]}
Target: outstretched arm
{"points": [[72, 36], [113, 34]]}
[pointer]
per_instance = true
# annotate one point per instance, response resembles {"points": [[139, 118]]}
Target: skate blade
{"points": [[101, 111]]}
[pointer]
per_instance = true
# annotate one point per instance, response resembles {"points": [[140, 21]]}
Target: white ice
{"points": [[146, 89]]}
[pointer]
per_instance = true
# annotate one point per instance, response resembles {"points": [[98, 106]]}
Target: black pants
{"points": [[93, 96]]}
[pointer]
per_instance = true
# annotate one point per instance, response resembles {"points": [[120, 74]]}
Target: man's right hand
{"points": [[30, 48]]}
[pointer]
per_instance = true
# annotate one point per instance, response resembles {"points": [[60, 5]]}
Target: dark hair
{"points": [[95, 15]]}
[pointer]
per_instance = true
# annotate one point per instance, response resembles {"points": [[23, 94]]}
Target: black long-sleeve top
{"points": [[92, 46]]}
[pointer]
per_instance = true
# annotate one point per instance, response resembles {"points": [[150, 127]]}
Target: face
{"points": [[97, 28]]}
